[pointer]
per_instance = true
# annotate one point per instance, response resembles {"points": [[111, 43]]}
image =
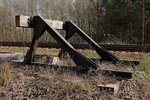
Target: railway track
{"points": [[112, 47]]}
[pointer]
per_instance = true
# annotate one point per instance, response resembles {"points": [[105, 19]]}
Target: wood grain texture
{"points": [[24, 21]]}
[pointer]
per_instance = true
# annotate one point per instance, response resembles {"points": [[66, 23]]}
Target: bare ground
{"points": [[38, 83]]}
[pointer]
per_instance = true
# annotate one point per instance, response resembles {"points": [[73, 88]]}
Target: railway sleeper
{"points": [[120, 75], [132, 63]]}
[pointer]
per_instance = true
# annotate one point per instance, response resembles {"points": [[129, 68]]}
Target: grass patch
{"points": [[91, 55], [70, 86], [144, 59], [5, 73], [47, 52], [144, 64]]}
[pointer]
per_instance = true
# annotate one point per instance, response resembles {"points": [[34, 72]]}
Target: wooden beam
{"points": [[24, 21], [59, 25], [104, 54]]}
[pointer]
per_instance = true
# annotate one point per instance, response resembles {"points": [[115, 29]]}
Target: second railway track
{"points": [[113, 47]]}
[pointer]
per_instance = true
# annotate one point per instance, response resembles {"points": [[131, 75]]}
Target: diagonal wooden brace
{"points": [[71, 28], [69, 33]]}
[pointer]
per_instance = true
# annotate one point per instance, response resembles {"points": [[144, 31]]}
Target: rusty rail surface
{"points": [[113, 47]]}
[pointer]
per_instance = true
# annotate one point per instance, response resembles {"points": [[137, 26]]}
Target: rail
{"points": [[111, 47]]}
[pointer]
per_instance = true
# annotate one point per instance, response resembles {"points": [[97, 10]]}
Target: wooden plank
{"points": [[24, 21], [118, 73], [55, 24]]}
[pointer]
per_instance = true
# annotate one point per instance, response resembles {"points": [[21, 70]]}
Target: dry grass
{"points": [[5, 73], [23, 50], [142, 72], [36, 83]]}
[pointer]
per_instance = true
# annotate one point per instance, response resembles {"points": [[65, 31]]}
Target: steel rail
{"points": [[111, 47]]}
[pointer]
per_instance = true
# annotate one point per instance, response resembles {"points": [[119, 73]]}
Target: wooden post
{"points": [[30, 53], [39, 29]]}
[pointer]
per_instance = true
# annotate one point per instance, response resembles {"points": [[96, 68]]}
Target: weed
{"points": [[86, 87], [5, 73]]}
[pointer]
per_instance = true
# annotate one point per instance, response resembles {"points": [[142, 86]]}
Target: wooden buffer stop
{"points": [[40, 25]]}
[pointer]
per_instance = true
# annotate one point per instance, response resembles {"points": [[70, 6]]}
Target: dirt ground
{"points": [[38, 83], [25, 82]]}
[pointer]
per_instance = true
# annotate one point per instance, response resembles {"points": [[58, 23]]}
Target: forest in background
{"points": [[106, 21]]}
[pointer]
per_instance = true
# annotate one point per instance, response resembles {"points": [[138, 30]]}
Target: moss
{"points": [[71, 86], [46, 53], [65, 85], [4, 78], [91, 55], [86, 87]]}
